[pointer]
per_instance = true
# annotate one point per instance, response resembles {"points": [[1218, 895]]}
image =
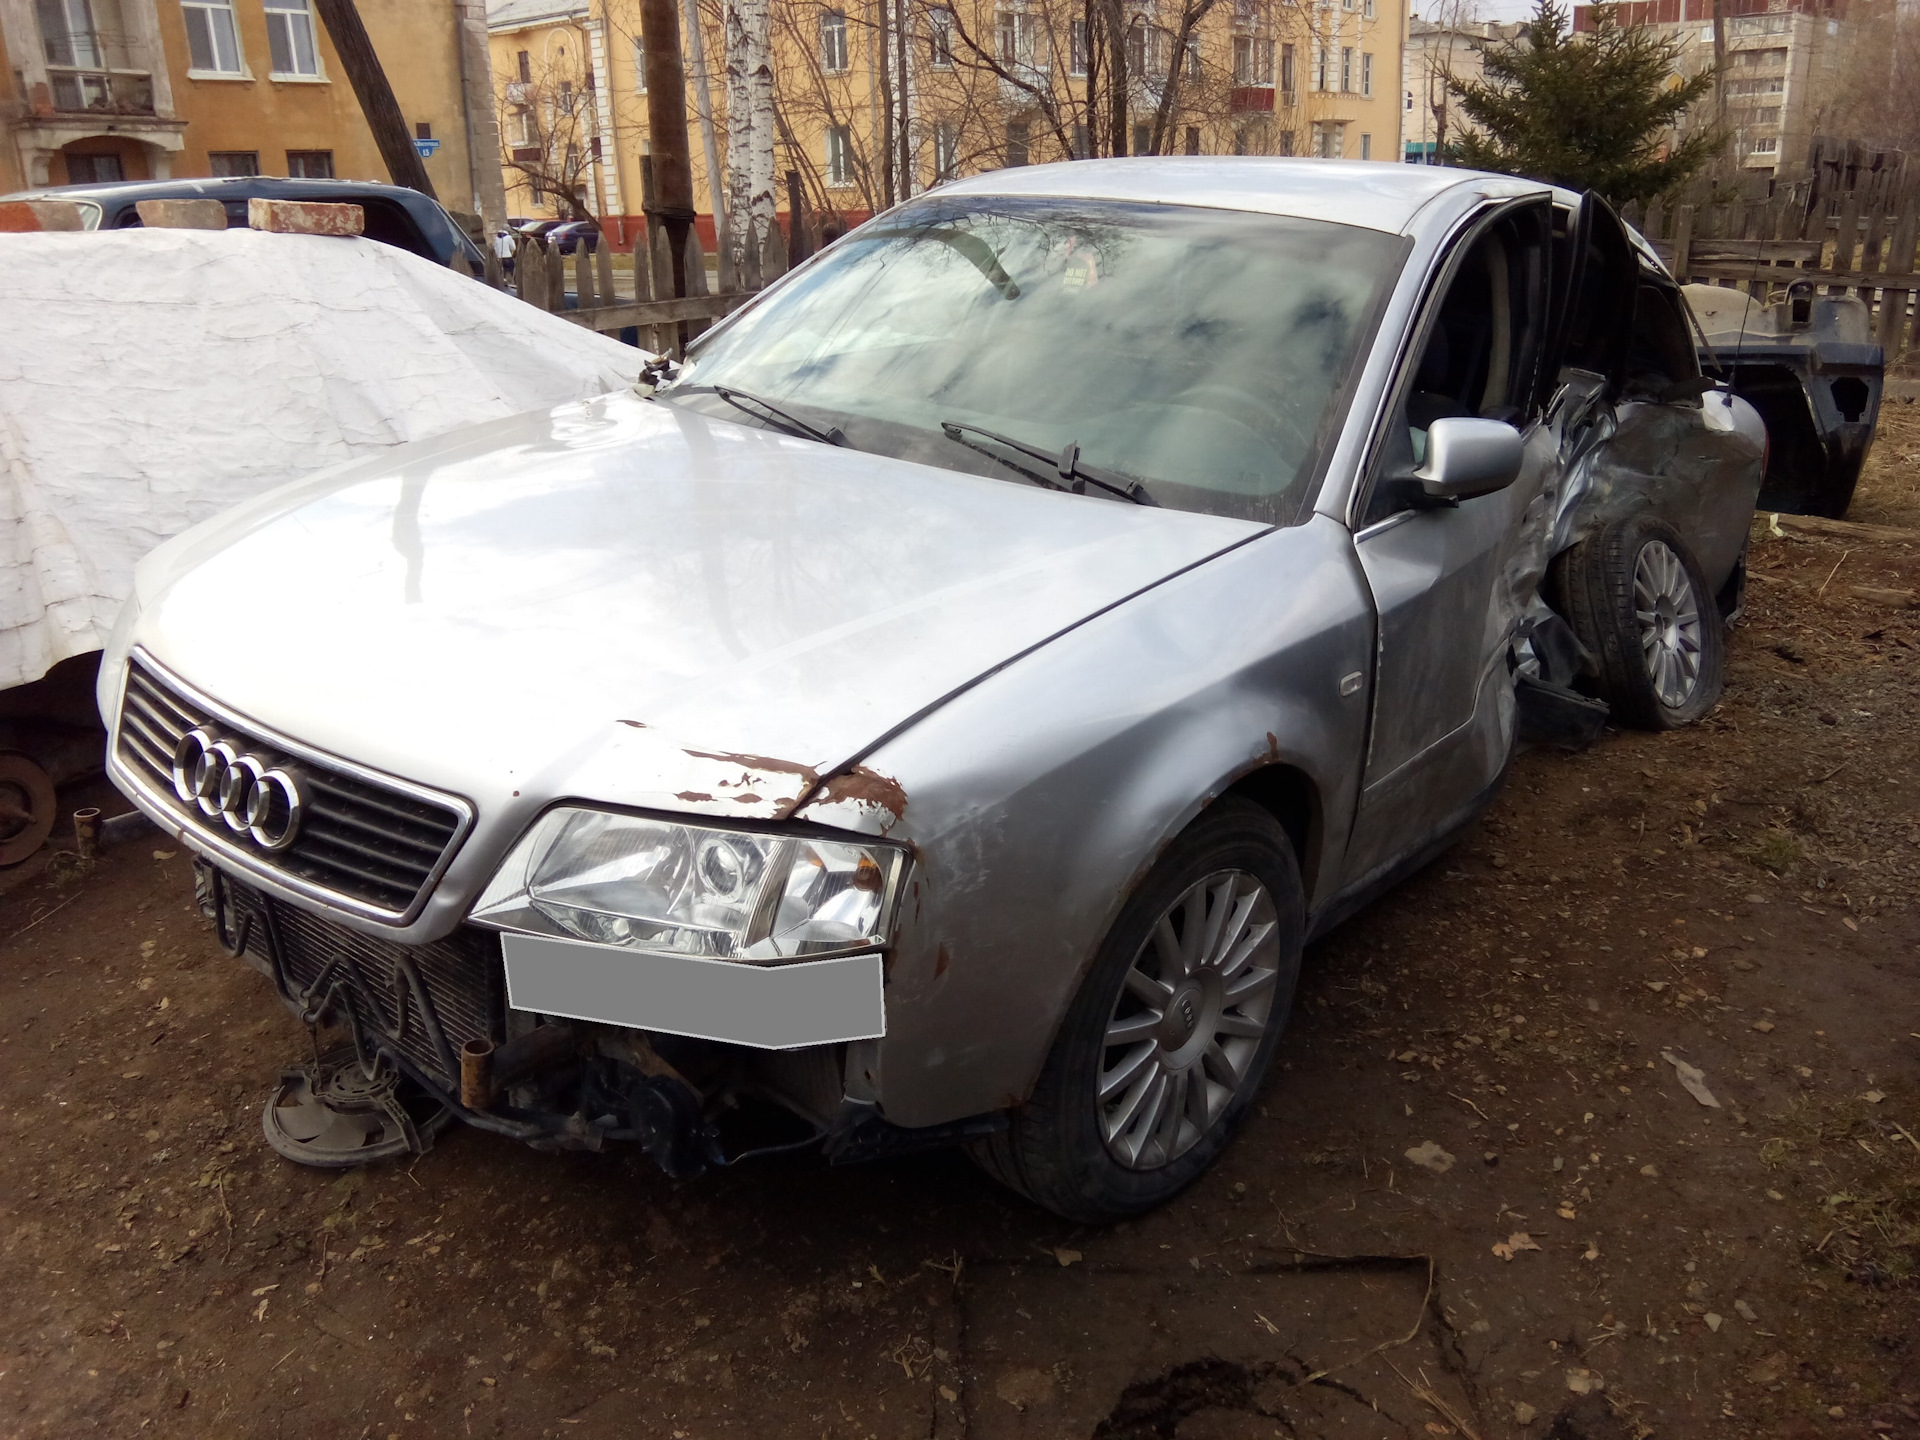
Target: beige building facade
{"points": [[1782, 64], [95, 90], [1437, 51], [879, 101]]}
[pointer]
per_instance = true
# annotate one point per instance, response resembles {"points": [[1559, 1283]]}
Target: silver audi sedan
{"points": [[939, 711]]}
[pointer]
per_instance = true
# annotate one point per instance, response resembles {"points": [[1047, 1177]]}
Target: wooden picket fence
{"points": [[610, 301], [1850, 226]]}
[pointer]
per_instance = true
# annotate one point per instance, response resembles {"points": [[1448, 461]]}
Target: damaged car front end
{"points": [[941, 712]]}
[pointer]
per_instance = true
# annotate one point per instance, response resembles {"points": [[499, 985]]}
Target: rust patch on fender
{"points": [[761, 762], [747, 799], [692, 795], [1273, 748], [941, 960], [861, 786]]}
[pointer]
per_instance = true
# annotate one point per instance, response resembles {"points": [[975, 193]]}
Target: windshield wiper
{"points": [[744, 401], [1066, 464]]}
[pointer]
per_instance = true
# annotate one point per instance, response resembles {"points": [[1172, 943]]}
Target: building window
{"points": [[526, 68], [1016, 37], [563, 102], [212, 45], [1193, 139], [1253, 60], [1367, 9], [525, 133], [1366, 147], [310, 164], [833, 42], [639, 65], [1346, 69], [227, 163], [1081, 150], [290, 38], [946, 150], [940, 38], [1366, 73], [1137, 47], [1077, 47], [66, 30], [840, 148], [1319, 67], [1143, 139], [1286, 68], [1016, 142], [93, 169], [1284, 145], [1766, 146], [1327, 142]]}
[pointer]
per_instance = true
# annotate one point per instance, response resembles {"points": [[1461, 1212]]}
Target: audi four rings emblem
{"points": [[253, 796]]}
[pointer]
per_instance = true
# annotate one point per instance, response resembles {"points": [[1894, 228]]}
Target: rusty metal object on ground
{"points": [[306, 217], [86, 831], [182, 214], [27, 807]]}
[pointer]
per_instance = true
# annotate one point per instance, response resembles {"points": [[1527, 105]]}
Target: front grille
{"points": [[425, 1001], [376, 844]]}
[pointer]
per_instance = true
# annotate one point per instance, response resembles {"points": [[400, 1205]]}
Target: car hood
{"points": [[628, 602]]}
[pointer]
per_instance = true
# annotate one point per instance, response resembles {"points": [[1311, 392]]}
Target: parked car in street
{"points": [[941, 711], [570, 236], [395, 215]]}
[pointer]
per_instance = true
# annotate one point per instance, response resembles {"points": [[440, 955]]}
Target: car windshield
{"points": [[1204, 353]]}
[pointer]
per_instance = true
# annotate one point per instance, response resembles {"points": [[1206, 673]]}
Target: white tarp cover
{"points": [[151, 378]]}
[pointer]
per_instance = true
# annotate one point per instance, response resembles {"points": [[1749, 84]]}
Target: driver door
{"points": [[1519, 294]]}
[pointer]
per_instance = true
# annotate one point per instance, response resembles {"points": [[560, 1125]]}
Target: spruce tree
{"points": [[1592, 111]]}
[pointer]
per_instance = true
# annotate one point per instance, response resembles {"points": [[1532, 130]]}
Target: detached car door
{"points": [[1442, 721]]}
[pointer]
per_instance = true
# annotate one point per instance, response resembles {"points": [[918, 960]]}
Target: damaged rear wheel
{"points": [[1637, 599], [1165, 1046]]}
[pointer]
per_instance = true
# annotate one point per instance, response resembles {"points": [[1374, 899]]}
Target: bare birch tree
{"points": [[750, 128]]}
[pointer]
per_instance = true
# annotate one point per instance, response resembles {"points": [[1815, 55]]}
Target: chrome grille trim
{"points": [[372, 844]]}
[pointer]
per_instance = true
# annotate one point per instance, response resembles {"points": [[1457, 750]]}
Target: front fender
{"points": [[1038, 799]]}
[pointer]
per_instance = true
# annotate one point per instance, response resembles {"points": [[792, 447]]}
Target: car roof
{"points": [[213, 188], [1372, 194]]}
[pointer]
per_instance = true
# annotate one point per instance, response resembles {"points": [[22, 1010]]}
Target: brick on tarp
{"points": [[22, 215], [182, 214], [306, 217]]}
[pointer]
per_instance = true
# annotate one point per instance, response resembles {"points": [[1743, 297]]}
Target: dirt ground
{"points": [[1477, 1199]]}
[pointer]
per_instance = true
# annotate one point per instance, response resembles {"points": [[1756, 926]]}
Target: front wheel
{"points": [[1165, 1045], [1637, 599]]}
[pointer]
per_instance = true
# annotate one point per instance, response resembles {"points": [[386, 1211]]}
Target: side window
{"points": [[1661, 361], [1477, 355]]}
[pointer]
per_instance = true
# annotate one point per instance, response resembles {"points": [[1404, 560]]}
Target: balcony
{"points": [[77, 91], [1251, 99]]}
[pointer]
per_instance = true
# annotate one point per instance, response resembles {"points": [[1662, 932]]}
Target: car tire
{"points": [[1211, 1025], [1637, 599]]}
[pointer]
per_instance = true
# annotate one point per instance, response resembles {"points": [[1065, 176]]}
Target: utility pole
{"points": [[349, 35], [883, 49], [672, 201]]}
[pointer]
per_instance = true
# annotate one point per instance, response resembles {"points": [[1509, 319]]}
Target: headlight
{"points": [[692, 890]]}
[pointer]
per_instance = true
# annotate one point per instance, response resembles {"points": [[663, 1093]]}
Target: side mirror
{"points": [[1467, 457]]}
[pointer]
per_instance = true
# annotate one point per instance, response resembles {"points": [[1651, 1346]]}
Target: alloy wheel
{"points": [[1668, 614], [1189, 1020]]}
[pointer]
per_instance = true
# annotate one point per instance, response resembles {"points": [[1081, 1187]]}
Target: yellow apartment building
{"points": [[970, 85], [96, 90]]}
